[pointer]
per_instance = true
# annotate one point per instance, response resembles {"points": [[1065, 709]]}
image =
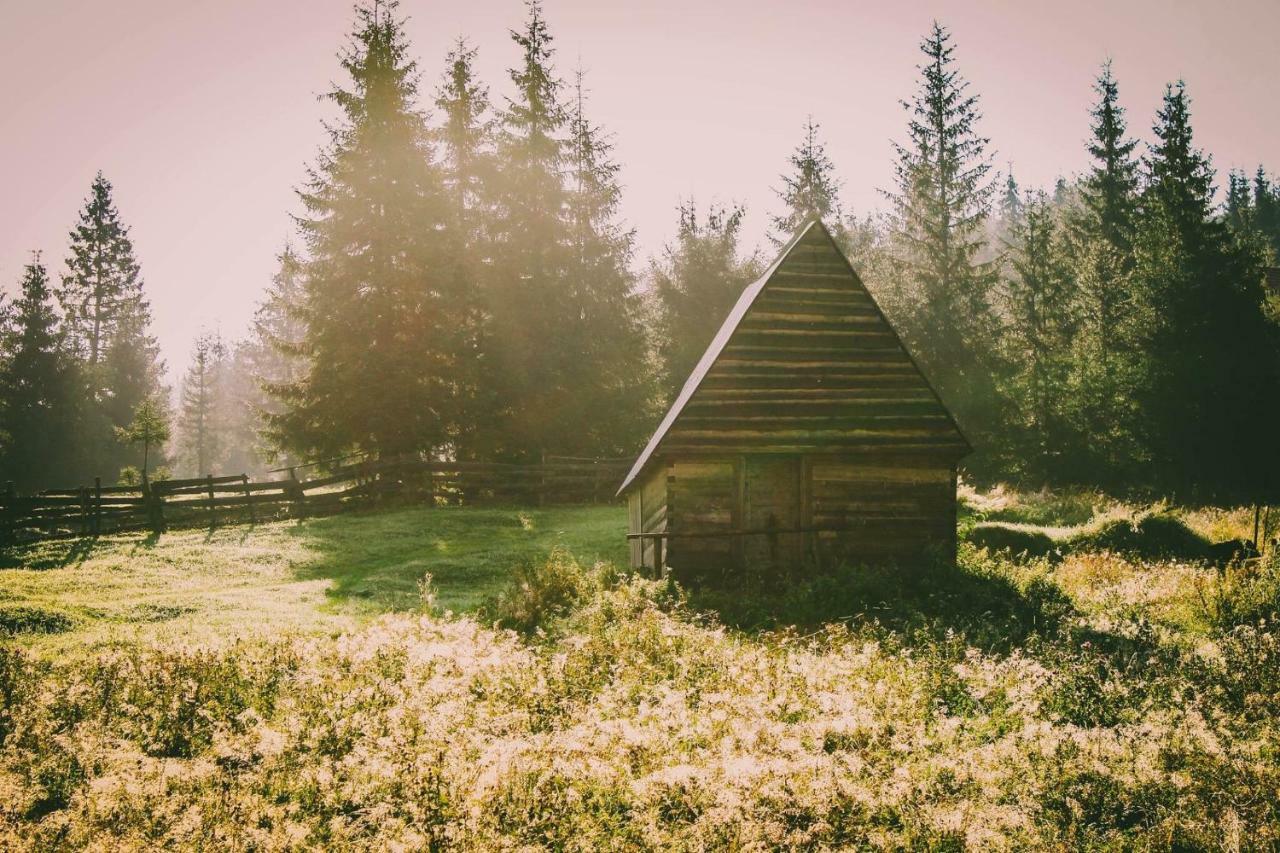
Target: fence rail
{"points": [[237, 499]]}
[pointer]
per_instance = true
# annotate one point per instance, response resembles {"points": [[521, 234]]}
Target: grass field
{"points": [[319, 575], [294, 687]]}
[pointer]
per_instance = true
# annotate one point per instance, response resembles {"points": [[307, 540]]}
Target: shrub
{"points": [[21, 619], [1016, 540], [539, 592], [1154, 535]]}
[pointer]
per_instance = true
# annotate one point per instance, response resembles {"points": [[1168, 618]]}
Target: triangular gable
{"points": [[805, 361]]}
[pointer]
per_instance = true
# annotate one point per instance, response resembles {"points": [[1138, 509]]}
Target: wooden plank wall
{"points": [[702, 497], [647, 513], [894, 509]]}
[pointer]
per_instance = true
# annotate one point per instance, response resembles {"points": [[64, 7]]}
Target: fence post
{"points": [[542, 480], [155, 506], [10, 512], [97, 506], [84, 510], [248, 499], [208, 479], [296, 494]]}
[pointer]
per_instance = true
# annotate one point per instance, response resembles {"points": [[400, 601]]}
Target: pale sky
{"points": [[204, 114]]}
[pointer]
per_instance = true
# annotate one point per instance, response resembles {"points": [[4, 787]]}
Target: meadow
{"points": [[494, 679]]}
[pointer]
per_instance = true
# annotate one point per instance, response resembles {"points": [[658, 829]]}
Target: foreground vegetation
{"points": [[1097, 700]]}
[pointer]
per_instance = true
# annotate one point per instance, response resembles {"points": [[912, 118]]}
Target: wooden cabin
{"points": [[806, 433]]}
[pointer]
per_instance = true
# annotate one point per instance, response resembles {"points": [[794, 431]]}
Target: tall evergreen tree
{"points": [[809, 190], [273, 357], [529, 303], [41, 393], [1107, 351], [202, 408], [1039, 336], [466, 137], [380, 278], [940, 208], [108, 322], [697, 281], [612, 380], [1211, 398]]}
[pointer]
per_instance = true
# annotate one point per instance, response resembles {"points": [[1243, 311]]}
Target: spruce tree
{"points": [[697, 280], [528, 299], [810, 190], [108, 322], [466, 140], [613, 382], [273, 358], [42, 393], [466, 137], [1212, 394], [940, 208], [1039, 336], [202, 407], [1110, 190], [380, 280], [1108, 360]]}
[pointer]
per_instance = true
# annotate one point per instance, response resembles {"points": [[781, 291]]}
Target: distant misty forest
{"points": [[463, 285]]}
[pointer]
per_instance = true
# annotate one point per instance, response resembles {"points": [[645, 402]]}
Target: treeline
{"points": [[464, 287]]}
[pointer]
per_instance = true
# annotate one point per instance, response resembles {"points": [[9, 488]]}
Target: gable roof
{"points": [[852, 327]]}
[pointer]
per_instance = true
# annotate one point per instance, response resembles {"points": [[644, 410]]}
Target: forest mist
{"points": [[1111, 328]]}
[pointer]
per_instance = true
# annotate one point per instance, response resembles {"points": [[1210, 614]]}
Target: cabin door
{"points": [[771, 492]]}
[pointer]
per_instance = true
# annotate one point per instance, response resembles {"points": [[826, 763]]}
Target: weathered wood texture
{"points": [[806, 414], [813, 366]]}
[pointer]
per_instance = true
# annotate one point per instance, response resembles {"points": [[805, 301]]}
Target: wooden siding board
{"points": [[815, 328]]}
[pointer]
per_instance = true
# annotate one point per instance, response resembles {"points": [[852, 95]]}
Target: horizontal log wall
{"points": [[883, 510]]}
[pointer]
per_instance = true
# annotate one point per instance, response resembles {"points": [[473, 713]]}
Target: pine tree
{"points": [[466, 137], [940, 208], [42, 392], [810, 190], [696, 282], [1211, 397], [530, 304], [1040, 333], [1110, 190], [1011, 205], [614, 387], [1107, 353], [149, 428], [202, 404], [381, 280], [273, 358], [108, 322], [1266, 212], [103, 282]]}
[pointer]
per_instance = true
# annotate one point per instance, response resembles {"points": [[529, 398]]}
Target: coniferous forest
{"points": [[462, 285]]}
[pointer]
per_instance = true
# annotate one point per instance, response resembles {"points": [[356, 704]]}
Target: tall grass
{"points": [[988, 705]]}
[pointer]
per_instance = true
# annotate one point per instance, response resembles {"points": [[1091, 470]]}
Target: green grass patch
{"points": [[318, 575]]}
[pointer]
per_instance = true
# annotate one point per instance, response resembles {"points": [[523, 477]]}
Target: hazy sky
{"points": [[203, 114]]}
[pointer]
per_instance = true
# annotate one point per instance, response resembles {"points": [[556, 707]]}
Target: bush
{"points": [[1017, 540], [540, 591], [20, 619], [1155, 535]]}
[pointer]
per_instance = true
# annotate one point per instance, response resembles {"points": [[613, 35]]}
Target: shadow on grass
{"points": [[375, 560], [980, 607], [50, 554]]}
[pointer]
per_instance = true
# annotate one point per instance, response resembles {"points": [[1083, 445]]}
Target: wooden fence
{"points": [[236, 499]]}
